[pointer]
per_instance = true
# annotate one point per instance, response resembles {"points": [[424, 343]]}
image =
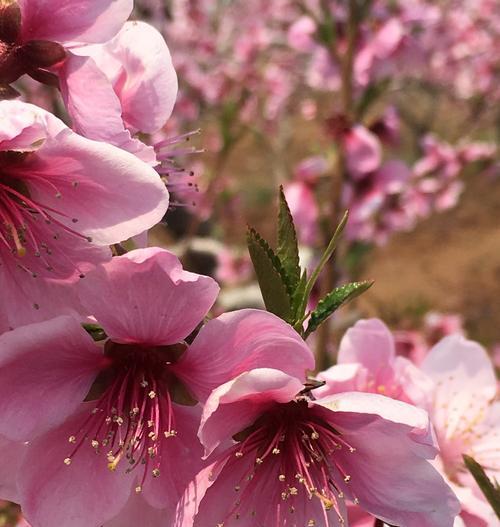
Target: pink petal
{"points": [[138, 512], [363, 151], [388, 472], [73, 20], [465, 381], [342, 378], [236, 405], [97, 114], [143, 77], [11, 454], [84, 494], [241, 341], [154, 301], [181, 460], [209, 500], [116, 195], [370, 343], [46, 370]]}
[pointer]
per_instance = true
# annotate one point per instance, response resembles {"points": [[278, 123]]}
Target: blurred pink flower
{"points": [[63, 199], [363, 151], [304, 209], [293, 460]]}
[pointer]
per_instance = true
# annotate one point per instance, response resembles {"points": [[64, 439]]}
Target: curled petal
{"points": [[238, 342]]}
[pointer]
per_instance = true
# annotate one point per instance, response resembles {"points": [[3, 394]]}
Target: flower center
{"points": [[133, 411], [297, 448]]}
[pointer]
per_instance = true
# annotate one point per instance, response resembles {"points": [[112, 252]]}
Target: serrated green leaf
{"points": [[270, 275], [332, 301], [288, 249], [489, 488]]}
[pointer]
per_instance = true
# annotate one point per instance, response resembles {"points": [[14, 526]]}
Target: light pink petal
{"points": [[370, 343], [11, 456], [236, 405], [241, 341], [46, 370], [83, 494], [97, 114], [181, 460], [154, 301], [388, 472], [137, 512], [143, 77], [35, 299], [104, 192], [465, 383], [342, 378], [73, 20]]}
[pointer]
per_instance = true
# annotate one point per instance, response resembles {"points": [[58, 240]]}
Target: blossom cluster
{"points": [[122, 403]]}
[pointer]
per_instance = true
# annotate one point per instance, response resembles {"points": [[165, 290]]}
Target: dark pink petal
{"points": [[73, 20], [150, 298], [388, 472], [241, 341], [97, 114], [235, 405], [84, 493], [46, 370], [11, 456]]}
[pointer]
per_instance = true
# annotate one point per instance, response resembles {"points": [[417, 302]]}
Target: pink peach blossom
{"points": [[367, 362], [131, 401], [38, 31], [134, 87], [464, 412], [293, 460], [63, 199], [363, 151]]}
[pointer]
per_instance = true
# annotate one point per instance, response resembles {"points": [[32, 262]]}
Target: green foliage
{"points": [[332, 301], [490, 489], [270, 275], [285, 287], [288, 249]]}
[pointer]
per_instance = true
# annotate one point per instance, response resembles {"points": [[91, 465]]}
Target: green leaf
{"points": [[270, 275], [288, 250], [491, 490], [299, 302], [326, 255], [333, 300]]}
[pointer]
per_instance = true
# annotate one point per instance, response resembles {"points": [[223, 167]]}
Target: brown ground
{"points": [[451, 262]]}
